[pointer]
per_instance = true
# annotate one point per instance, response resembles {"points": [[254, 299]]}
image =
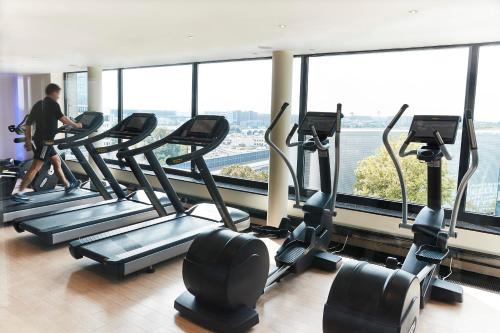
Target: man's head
{"points": [[53, 91]]}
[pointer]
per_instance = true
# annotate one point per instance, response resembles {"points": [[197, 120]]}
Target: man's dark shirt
{"points": [[44, 115]]}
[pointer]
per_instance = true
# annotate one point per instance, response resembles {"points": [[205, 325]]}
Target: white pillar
{"points": [[94, 102], [278, 172], [94, 88], [58, 78]]}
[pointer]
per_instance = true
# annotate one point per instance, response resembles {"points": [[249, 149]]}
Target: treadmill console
{"points": [[90, 122], [324, 123], [424, 127], [201, 130], [135, 123], [86, 120]]}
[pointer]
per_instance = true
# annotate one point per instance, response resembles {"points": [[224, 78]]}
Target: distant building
{"points": [[497, 210]]}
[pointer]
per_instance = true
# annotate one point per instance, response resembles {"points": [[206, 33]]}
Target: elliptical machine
{"points": [[226, 272], [11, 170], [368, 298]]}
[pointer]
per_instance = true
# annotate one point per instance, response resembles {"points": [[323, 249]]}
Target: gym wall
{"points": [[18, 93]]}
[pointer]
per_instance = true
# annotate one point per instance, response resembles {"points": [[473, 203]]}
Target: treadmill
{"points": [[72, 223], [140, 246], [56, 198]]}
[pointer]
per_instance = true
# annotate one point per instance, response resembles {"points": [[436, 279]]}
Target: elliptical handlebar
{"points": [[337, 159], [290, 136], [468, 175], [442, 146], [317, 141], [406, 143], [274, 147], [395, 160]]}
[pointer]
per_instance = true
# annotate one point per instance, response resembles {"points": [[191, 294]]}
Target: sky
{"points": [[430, 81]]}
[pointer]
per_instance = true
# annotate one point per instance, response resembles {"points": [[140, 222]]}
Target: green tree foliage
{"points": [[245, 172], [166, 150], [376, 177]]}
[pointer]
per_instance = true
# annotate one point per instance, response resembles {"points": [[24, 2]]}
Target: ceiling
{"points": [[68, 35]]}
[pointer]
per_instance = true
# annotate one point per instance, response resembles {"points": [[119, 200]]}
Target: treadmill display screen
{"points": [[203, 128], [324, 123], [135, 124], [86, 120], [425, 126]]}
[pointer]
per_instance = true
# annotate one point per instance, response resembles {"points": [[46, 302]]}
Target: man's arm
{"points": [[28, 138], [68, 121]]}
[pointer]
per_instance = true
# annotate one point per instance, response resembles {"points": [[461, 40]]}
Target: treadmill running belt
{"points": [[43, 198], [72, 219], [145, 237]]}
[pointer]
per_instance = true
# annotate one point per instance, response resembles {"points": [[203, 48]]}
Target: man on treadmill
{"points": [[44, 115]]}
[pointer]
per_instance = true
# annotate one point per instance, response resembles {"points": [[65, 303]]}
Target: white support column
{"points": [[94, 101], [278, 172], [58, 78], [94, 88]]}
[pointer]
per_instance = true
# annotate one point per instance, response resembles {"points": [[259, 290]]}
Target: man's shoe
{"points": [[73, 186], [21, 197]]}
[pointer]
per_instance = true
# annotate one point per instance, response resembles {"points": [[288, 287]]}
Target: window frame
{"points": [[372, 203]]}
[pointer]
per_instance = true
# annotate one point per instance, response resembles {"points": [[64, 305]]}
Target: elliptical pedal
{"points": [[431, 254], [290, 256]]}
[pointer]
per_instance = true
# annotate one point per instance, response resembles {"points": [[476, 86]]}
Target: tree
{"points": [[376, 177], [245, 172], [165, 151]]}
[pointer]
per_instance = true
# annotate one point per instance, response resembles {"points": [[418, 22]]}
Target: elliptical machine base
{"points": [[218, 320]]}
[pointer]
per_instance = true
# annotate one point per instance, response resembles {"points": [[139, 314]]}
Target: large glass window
{"points": [[240, 91], [76, 93], [166, 92], [372, 87], [77, 101], [483, 192]]}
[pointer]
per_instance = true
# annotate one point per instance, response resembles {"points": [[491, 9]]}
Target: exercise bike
{"points": [[368, 298], [225, 272]]}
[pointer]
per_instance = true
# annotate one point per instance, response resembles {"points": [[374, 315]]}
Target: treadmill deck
{"points": [[42, 202], [82, 217], [156, 236]]}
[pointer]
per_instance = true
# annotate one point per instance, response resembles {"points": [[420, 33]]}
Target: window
{"points": [[77, 101], [372, 87], [483, 192], [166, 92], [76, 94], [240, 91]]}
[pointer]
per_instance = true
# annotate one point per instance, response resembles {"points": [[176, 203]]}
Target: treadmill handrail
{"points": [[80, 133], [121, 145], [224, 126]]}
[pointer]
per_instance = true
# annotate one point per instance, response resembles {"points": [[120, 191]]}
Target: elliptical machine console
{"points": [[369, 298], [225, 273]]}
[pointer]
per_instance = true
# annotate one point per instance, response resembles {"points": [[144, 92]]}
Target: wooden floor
{"points": [[45, 290]]}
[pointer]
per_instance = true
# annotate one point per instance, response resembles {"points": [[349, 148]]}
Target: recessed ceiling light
{"points": [[413, 11], [282, 26], [264, 47], [190, 36], [312, 50]]}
